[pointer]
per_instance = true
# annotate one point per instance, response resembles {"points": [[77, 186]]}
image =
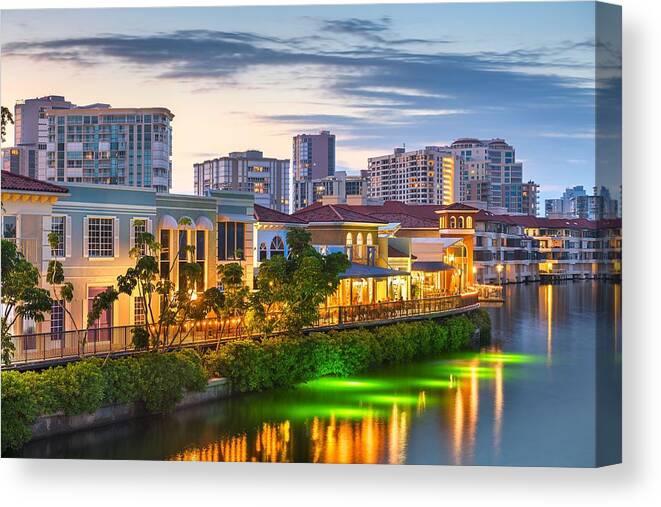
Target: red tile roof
{"points": [[17, 182], [547, 223], [337, 213], [263, 214]]}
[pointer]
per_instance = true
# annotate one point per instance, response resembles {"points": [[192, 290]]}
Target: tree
{"points": [[21, 295], [6, 119], [229, 301], [180, 306], [290, 290]]}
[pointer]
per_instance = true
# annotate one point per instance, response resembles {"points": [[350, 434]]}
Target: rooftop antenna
{"points": [[404, 146]]}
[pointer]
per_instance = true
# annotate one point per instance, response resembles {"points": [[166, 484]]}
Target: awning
{"points": [[364, 271], [430, 266], [203, 224], [167, 222]]}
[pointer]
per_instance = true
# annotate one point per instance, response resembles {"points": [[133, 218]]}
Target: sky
{"points": [[377, 76]]}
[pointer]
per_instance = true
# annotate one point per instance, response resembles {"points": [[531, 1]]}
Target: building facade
{"points": [[21, 159], [313, 158], [247, 171], [424, 176], [98, 144], [530, 198], [489, 173]]}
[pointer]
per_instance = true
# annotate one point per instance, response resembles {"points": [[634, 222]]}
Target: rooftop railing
{"points": [[34, 349]]}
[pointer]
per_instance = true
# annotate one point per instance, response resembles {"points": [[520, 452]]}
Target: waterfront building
{"points": [[270, 234], [313, 158], [98, 225], [425, 176], [489, 172], [99, 144], [247, 171]]}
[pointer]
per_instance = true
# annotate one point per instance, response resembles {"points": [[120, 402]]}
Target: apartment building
{"points": [[424, 176], [22, 159], [530, 198], [247, 171], [489, 173], [99, 144], [313, 158]]}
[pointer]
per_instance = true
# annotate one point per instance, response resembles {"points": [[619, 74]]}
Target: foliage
{"points": [[480, 318], [285, 361], [229, 302], [21, 296], [19, 410], [179, 303], [157, 380], [7, 118], [290, 290]]}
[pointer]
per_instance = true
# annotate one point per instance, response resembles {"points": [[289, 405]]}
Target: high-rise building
{"points": [[21, 160], [101, 144], [313, 158], [489, 172], [247, 171], [29, 117], [530, 198], [426, 176], [341, 188]]}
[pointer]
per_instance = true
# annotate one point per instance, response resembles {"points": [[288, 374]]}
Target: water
{"points": [[527, 400]]}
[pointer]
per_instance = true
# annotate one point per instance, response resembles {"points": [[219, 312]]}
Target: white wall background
{"points": [[637, 482]]}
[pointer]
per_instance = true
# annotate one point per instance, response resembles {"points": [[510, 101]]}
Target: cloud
{"points": [[376, 82]]}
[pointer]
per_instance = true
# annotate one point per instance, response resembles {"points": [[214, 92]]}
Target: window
{"points": [[201, 256], [58, 226], [139, 314], [57, 321], [277, 246], [461, 222], [139, 226], [165, 254], [101, 237], [469, 222], [231, 240], [9, 227], [349, 246], [453, 223], [100, 329], [263, 252]]}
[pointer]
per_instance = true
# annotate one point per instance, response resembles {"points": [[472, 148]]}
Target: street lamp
{"points": [[499, 268]]}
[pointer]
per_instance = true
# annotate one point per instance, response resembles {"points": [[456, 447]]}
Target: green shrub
{"points": [[460, 331], [122, 380], [19, 410], [158, 380]]}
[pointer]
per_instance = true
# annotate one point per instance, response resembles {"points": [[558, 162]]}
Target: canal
{"points": [[526, 400]]}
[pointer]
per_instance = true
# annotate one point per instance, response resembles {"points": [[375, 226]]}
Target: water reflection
{"points": [[370, 420], [529, 400]]}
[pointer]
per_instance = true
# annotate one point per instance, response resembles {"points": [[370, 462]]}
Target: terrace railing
{"points": [[54, 347]]}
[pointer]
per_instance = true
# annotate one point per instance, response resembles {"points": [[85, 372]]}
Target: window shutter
{"points": [[149, 226], [131, 234], [46, 224], [67, 244], [115, 249], [86, 237]]}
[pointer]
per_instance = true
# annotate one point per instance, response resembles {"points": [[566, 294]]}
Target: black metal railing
{"points": [[61, 345]]}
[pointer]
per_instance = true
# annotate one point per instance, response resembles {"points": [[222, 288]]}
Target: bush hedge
{"points": [[157, 380], [280, 362]]}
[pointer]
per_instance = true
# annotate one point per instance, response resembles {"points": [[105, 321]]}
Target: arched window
{"points": [[443, 222], [359, 245], [369, 241], [349, 244], [453, 223], [461, 222], [263, 252], [277, 246], [469, 222]]}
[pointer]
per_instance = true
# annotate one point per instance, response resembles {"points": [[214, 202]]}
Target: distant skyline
{"points": [[377, 76]]}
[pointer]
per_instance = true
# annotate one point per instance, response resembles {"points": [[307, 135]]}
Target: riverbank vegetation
{"points": [[156, 380], [159, 380], [285, 361]]}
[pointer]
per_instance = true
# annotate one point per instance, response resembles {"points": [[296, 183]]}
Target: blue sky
{"points": [[376, 75]]}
